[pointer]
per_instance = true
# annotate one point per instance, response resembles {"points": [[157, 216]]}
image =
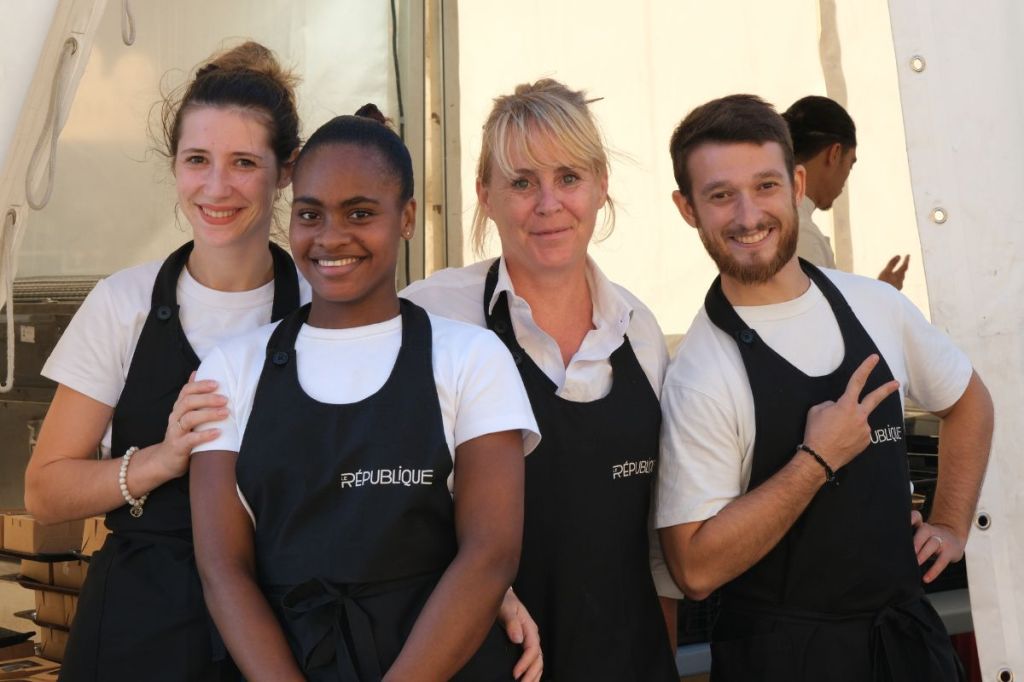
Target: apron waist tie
{"points": [[329, 624], [907, 644]]}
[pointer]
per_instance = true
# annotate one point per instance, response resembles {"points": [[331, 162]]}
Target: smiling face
{"points": [[347, 221], [546, 210], [226, 176], [744, 208]]}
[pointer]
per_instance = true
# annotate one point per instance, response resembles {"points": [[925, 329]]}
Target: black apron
{"points": [[840, 597], [354, 520], [141, 613], [584, 574]]}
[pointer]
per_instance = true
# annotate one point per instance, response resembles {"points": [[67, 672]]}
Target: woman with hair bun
{"points": [[592, 358], [358, 516], [124, 364]]}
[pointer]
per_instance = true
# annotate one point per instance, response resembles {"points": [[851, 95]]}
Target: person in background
{"points": [[123, 369], [592, 358], [784, 480], [359, 514], [825, 144]]}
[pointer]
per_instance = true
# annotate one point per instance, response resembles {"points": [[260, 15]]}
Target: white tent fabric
{"points": [[963, 104], [111, 186]]}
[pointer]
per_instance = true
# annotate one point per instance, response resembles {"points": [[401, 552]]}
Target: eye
{"points": [[570, 179], [307, 214], [245, 163], [520, 183], [193, 160], [719, 196], [360, 214], [769, 184]]}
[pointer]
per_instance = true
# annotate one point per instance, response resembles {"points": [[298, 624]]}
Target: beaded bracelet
{"points": [[122, 480], [830, 475]]}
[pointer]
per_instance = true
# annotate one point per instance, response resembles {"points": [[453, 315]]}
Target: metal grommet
{"points": [[983, 521], [163, 313], [747, 336], [917, 63], [939, 215], [279, 358], [500, 327], [1004, 675]]}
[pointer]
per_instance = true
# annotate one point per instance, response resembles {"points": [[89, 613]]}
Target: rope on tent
{"points": [[55, 119], [127, 23], [7, 246]]}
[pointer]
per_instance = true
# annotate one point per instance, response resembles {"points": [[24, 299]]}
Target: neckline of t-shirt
{"points": [[189, 286], [782, 311], [387, 327]]}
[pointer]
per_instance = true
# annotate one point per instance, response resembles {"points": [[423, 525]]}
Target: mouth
{"points": [[218, 213], [551, 232], [337, 262], [751, 238]]}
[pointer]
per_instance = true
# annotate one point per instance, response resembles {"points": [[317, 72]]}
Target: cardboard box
{"points": [[45, 677], [22, 533], [19, 650], [94, 534], [40, 571], [69, 573], [54, 608], [21, 668], [52, 643]]}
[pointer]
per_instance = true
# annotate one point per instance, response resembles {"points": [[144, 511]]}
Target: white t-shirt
{"points": [[459, 293], [478, 386], [707, 437], [813, 246], [95, 352]]}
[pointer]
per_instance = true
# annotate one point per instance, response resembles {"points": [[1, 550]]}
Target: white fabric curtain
{"points": [[963, 103], [113, 199]]}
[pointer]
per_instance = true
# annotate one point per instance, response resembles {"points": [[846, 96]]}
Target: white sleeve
{"points": [[92, 354], [490, 394], [937, 371], [700, 468], [216, 367], [664, 585]]}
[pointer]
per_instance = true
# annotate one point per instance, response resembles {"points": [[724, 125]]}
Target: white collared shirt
{"points": [[458, 293], [813, 246]]}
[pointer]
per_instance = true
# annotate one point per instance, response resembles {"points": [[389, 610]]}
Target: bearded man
{"points": [[783, 478]]}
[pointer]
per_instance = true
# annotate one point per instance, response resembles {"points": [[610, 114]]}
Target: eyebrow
{"points": [[718, 184], [200, 150], [353, 201]]}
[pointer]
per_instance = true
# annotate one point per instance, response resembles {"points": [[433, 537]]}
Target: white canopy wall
{"points": [[652, 61], [963, 103], [113, 198]]}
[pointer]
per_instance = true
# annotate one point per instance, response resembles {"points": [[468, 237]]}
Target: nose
{"points": [[217, 183], [548, 200], [748, 212], [333, 233]]}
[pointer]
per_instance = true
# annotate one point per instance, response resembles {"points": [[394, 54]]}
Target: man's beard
{"points": [[756, 273]]}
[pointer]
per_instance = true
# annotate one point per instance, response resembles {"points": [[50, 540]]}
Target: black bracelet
{"points": [[830, 475]]}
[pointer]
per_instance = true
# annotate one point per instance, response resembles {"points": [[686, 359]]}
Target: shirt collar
{"points": [[611, 309]]}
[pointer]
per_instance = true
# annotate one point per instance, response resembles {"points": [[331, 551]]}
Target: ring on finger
{"points": [[938, 538], [182, 429]]}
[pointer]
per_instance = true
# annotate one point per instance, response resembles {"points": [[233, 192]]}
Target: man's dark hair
{"points": [[816, 123], [732, 119]]}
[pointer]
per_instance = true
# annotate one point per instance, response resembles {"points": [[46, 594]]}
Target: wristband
{"points": [[122, 481], [830, 475]]}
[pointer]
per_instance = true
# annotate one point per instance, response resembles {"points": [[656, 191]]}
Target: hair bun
{"points": [[371, 111], [207, 69]]}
